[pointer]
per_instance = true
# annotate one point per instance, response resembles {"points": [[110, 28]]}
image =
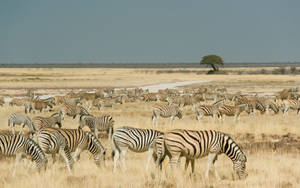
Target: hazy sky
{"points": [[148, 30]]}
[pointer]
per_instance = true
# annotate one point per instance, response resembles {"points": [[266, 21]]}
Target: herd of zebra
{"points": [[44, 138]]}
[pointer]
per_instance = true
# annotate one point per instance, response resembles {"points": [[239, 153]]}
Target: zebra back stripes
{"points": [[18, 145], [196, 144]]}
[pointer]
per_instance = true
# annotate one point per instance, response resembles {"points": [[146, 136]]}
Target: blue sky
{"points": [[35, 31]]}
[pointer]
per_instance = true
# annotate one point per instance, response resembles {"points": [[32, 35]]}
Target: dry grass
{"points": [[265, 167]]}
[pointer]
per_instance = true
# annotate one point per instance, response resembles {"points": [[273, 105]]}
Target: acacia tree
{"points": [[212, 60]]}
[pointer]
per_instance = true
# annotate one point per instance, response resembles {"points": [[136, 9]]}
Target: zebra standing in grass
{"points": [[134, 139], [290, 104], [20, 146], [52, 142], [165, 111], [79, 140], [20, 119], [96, 124], [209, 110], [197, 144], [233, 111], [73, 110], [51, 121]]}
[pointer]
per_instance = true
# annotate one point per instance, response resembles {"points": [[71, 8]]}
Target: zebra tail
{"points": [[113, 147], [8, 122]]}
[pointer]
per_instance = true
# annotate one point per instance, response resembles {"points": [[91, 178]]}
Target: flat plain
{"points": [[270, 142]]}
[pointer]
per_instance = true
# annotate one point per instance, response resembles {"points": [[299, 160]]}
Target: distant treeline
{"points": [[148, 65]]}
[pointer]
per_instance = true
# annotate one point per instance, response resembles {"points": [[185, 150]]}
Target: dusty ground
{"points": [[271, 142]]}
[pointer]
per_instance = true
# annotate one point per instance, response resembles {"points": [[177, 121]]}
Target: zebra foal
{"points": [[51, 121]]}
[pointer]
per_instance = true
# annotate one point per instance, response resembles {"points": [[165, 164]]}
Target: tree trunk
{"points": [[214, 67]]}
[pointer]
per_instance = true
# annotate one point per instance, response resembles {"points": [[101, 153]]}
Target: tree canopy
{"points": [[212, 60]]}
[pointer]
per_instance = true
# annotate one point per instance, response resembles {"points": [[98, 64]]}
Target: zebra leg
{"points": [[193, 165], [116, 158], [76, 155], [210, 159], [64, 152], [109, 133], [18, 157], [187, 162], [215, 168], [150, 153], [12, 126], [171, 120], [54, 160], [123, 154], [22, 127]]}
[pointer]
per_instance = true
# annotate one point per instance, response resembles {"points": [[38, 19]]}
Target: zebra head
{"points": [[239, 166], [96, 148]]}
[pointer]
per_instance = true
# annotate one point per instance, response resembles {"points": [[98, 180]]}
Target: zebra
{"points": [[51, 121], [21, 146], [233, 111], [165, 111], [290, 104], [102, 123], [79, 140], [197, 144], [134, 139], [73, 110], [209, 110], [20, 119], [53, 141]]}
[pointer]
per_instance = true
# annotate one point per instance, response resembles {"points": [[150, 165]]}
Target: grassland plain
{"points": [[271, 142]]}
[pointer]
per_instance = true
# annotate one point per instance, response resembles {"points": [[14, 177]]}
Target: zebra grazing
{"points": [[52, 141], [134, 139], [79, 140], [197, 144], [73, 110], [291, 104], [209, 110], [20, 119], [165, 111], [234, 111], [51, 121], [20, 146], [102, 123]]}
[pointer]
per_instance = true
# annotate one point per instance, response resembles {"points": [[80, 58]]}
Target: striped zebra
{"points": [[134, 139], [96, 124], [290, 104], [165, 111], [209, 110], [21, 146], [197, 144], [52, 141], [20, 119], [233, 111], [51, 121], [79, 140], [73, 110]]}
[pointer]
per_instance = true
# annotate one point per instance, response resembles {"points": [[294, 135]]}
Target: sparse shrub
{"points": [[293, 69]]}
